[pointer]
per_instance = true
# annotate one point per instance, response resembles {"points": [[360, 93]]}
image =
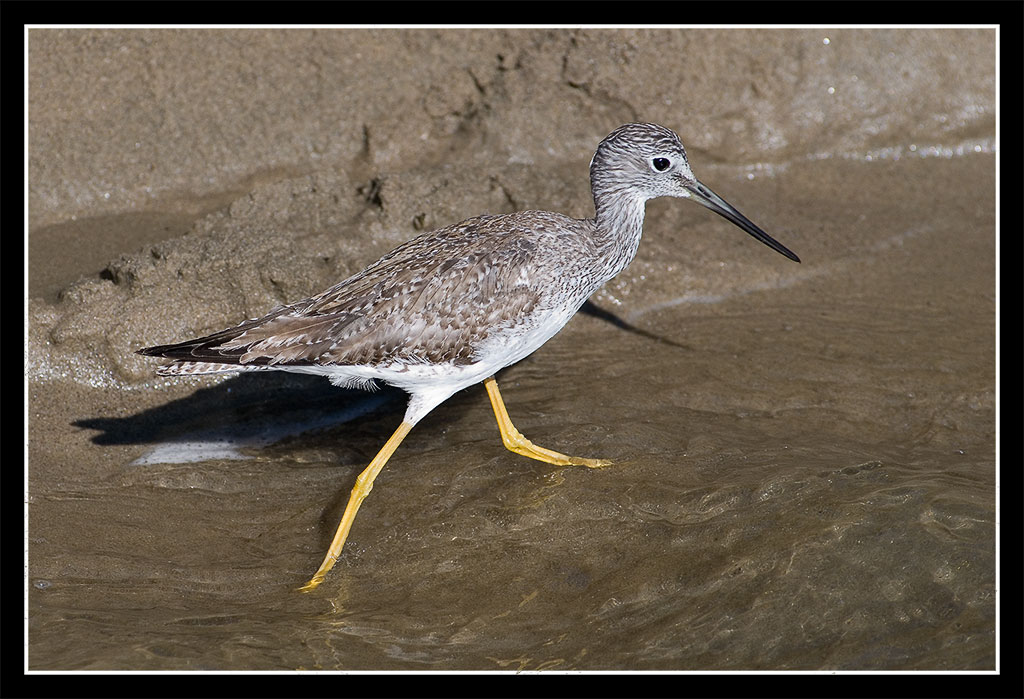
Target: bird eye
{"points": [[660, 164]]}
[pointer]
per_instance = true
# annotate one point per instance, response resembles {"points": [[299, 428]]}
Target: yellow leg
{"points": [[364, 484], [515, 441]]}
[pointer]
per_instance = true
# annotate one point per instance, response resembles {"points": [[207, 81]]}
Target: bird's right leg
{"points": [[364, 484]]}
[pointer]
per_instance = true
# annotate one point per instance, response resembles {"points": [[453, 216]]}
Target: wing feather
{"points": [[433, 299]]}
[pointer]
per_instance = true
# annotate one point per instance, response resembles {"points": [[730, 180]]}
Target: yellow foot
{"points": [[314, 582], [514, 440]]}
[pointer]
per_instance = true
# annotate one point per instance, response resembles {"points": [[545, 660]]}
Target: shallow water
{"points": [[803, 479]]}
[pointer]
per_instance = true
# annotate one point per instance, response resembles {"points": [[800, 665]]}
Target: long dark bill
{"points": [[726, 210]]}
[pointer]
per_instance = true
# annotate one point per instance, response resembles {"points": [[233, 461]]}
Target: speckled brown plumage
{"points": [[433, 300]]}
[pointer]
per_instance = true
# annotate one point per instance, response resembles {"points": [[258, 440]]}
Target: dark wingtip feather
{"points": [[200, 349], [154, 351]]}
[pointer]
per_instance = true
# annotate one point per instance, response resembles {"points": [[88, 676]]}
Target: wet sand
{"points": [[804, 454]]}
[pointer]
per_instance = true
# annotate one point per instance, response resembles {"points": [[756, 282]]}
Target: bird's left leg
{"points": [[515, 441]]}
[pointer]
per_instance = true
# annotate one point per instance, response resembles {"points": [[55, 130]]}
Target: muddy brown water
{"points": [[804, 455]]}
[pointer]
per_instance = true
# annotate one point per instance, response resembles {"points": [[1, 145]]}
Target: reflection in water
{"points": [[731, 531]]}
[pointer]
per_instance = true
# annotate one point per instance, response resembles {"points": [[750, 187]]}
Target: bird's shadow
{"points": [[261, 408], [250, 409], [592, 309]]}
